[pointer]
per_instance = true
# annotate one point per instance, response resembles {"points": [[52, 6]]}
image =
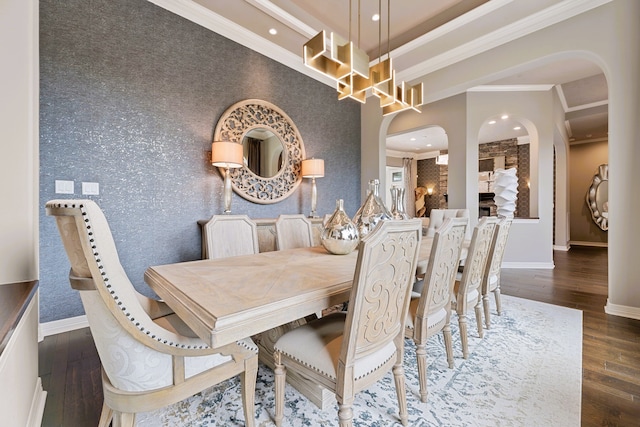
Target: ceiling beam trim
{"points": [[538, 21]]}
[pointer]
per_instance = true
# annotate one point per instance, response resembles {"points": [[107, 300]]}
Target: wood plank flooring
{"points": [[70, 368]]}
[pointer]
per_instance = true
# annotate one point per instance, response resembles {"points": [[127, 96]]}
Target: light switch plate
{"points": [[64, 187], [90, 188]]}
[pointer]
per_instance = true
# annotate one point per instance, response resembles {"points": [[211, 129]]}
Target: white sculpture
{"points": [[505, 190]]}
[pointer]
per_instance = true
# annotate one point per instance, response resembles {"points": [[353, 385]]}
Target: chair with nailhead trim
{"points": [[150, 357]]}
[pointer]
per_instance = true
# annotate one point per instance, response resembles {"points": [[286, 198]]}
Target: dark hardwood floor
{"points": [[70, 368]]}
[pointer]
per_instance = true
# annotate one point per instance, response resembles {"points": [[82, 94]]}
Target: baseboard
{"points": [[594, 244], [540, 265], [622, 310], [561, 248], [64, 325], [37, 405]]}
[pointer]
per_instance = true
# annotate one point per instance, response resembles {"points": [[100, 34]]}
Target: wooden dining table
{"points": [[227, 299]]}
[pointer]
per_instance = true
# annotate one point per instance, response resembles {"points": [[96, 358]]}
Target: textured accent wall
{"points": [[129, 97]]}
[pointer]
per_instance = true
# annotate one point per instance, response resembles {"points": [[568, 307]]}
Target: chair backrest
{"points": [[496, 252], [380, 295], [476, 261], [437, 217], [230, 235], [129, 343], [441, 269], [293, 231]]}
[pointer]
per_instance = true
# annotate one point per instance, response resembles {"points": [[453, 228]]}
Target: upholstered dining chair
{"points": [[437, 217], [346, 352], [467, 289], [430, 311], [230, 235], [150, 357], [491, 279], [293, 231]]}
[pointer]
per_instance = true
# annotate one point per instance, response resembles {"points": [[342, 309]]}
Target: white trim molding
{"points": [[592, 244], [63, 325], [520, 265], [622, 310], [561, 248]]}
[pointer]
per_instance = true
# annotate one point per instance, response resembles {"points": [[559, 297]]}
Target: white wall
{"points": [[21, 395], [19, 136]]}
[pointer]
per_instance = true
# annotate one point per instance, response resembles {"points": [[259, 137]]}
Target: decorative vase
{"points": [[339, 235], [397, 203], [372, 210], [505, 188]]}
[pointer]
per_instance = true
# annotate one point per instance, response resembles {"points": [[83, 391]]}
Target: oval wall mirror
{"points": [[598, 197], [273, 150]]}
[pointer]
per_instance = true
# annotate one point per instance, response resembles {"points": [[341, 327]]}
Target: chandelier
{"points": [[349, 66]]}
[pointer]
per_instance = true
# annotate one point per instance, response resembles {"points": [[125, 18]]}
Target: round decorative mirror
{"points": [[598, 197], [263, 152], [273, 150]]}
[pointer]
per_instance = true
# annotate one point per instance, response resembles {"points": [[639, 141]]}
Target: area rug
{"points": [[526, 371]]}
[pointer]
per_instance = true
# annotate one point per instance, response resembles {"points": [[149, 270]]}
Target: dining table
{"points": [[227, 299]]}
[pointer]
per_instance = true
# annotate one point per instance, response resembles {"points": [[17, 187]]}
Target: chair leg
{"points": [[448, 344], [105, 416], [496, 293], [345, 414], [478, 310], [487, 311], [280, 372], [248, 381], [462, 321], [398, 377], [123, 419], [421, 354]]}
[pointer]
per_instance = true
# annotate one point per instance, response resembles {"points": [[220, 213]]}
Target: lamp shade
{"points": [[226, 154], [312, 168]]}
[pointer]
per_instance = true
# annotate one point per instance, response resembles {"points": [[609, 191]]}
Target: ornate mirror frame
{"points": [[250, 114], [599, 212]]}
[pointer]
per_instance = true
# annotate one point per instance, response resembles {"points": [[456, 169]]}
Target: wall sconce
{"points": [[313, 168], [430, 191], [226, 155]]}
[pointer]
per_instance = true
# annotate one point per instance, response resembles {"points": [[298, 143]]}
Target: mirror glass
{"points": [[263, 152], [602, 198]]}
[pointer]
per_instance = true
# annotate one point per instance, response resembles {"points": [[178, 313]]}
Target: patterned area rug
{"points": [[526, 371]]}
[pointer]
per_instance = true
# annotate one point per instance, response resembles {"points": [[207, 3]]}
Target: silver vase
{"points": [[372, 210], [397, 203], [339, 235]]}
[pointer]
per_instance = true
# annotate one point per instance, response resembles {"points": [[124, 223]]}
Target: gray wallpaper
{"points": [[129, 98]]}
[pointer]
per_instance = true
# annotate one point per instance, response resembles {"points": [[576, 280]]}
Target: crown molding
{"points": [[511, 88], [538, 21]]}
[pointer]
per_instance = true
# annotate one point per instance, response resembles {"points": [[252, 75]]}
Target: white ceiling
{"points": [[416, 28]]}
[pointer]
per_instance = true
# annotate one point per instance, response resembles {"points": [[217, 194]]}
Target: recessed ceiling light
{"points": [[413, 139], [504, 116], [492, 122], [375, 17], [517, 128], [273, 31], [429, 145]]}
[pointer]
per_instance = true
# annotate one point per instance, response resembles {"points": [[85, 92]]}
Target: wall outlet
{"points": [[64, 187], [90, 188]]}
